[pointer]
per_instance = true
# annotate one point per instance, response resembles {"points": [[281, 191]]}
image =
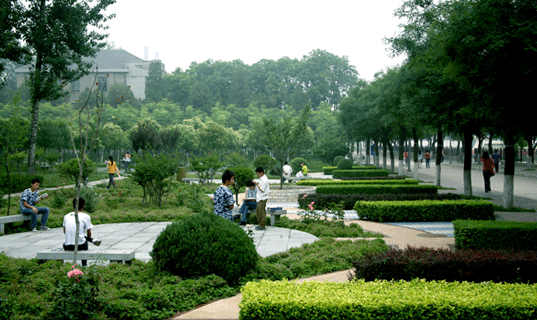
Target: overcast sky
{"points": [[196, 30]]}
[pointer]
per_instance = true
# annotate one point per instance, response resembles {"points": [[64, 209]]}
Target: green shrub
{"points": [[18, 182], [295, 164], [445, 264], [152, 174], [416, 299], [376, 189], [425, 210], [495, 235], [324, 182], [336, 159], [354, 173], [242, 175], [344, 164], [204, 244], [329, 169], [266, 162], [70, 169]]}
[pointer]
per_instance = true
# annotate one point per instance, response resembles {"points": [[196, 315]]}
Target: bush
{"points": [[18, 182], [204, 244], [70, 169], [336, 159], [356, 173], [349, 200], [328, 182], [376, 189], [344, 164], [329, 169], [444, 264], [295, 164], [242, 175], [266, 162], [495, 235], [425, 210], [152, 174]]}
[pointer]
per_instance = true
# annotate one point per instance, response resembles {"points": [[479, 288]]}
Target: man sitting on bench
{"points": [[84, 230], [29, 199]]}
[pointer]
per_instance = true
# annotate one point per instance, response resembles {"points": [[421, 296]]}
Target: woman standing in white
{"points": [[263, 189]]}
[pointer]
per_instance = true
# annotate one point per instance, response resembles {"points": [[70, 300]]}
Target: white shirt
{"points": [[287, 171], [263, 190], [69, 224]]}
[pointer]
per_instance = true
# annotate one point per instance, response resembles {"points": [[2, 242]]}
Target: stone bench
{"points": [[275, 214], [112, 256], [15, 218]]}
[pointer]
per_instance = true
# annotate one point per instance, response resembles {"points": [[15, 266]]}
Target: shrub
{"points": [[344, 164], [295, 164], [18, 182], [376, 189], [336, 159], [204, 244], [206, 166], [242, 175], [324, 182], [70, 169], [152, 174], [329, 169], [495, 235], [354, 173], [266, 162], [424, 210], [444, 264], [349, 200]]}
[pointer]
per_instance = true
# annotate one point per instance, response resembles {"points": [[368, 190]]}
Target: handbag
{"points": [[492, 172]]}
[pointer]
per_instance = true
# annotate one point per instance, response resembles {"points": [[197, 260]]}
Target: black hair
{"points": [[111, 160], [250, 183], [486, 155], [81, 203], [228, 174], [259, 169], [34, 180]]}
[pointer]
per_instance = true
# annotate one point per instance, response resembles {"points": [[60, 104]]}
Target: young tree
{"points": [[58, 36]]}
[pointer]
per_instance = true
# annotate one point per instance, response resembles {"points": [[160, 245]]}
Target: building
{"points": [[111, 67]]}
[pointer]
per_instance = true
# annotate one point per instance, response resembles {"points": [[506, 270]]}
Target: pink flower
{"points": [[310, 206], [74, 273], [304, 196]]}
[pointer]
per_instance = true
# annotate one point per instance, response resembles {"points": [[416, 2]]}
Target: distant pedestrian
{"points": [[427, 159], [405, 159], [112, 169], [223, 197], [496, 157], [263, 189], [488, 169], [420, 159]]}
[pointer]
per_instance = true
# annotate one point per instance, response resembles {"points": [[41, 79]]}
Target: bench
{"points": [[275, 214], [112, 256], [15, 218]]}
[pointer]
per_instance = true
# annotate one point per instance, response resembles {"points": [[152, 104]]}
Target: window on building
{"points": [[102, 83]]}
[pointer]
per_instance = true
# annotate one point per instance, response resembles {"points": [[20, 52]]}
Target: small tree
{"points": [[242, 175], [71, 169], [206, 167], [152, 174]]}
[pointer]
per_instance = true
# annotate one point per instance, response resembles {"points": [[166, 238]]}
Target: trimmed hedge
{"points": [[329, 169], [424, 210], [349, 200], [444, 264], [495, 235], [376, 189], [325, 182], [416, 299], [338, 174]]}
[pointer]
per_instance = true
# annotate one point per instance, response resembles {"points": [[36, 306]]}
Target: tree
{"points": [[58, 36], [154, 85], [10, 36], [206, 166], [242, 176], [152, 174], [145, 136]]}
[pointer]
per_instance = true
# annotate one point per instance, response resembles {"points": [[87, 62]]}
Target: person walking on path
{"points": [[112, 169], [127, 160], [223, 197], [488, 169], [263, 189], [249, 201], [29, 198], [496, 157], [427, 159]]}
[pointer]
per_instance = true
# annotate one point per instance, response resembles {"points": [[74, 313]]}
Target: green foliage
{"points": [[17, 182], [329, 182], [242, 175], [424, 210], [495, 235], [206, 166], [354, 173], [266, 162], [376, 189], [153, 173], [328, 170], [295, 164], [146, 136], [344, 164], [91, 197], [204, 244], [71, 169], [236, 160], [336, 159], [387, 300], [194, 197]]}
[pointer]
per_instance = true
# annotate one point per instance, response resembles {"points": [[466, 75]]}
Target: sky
{"points": [[182, 32]]}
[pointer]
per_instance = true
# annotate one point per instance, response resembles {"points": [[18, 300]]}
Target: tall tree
{"points": [[59, 35], [10, 36], [154, 86]]}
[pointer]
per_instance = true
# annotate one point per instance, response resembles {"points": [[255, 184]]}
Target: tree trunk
{"points": [[392, 155], [367, 152], [416, 149], [439, 155], [467, 171], [401, 154], [384, 155], [509, 173]]}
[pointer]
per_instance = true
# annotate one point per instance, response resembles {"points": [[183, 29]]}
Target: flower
{"points": [[74, 273], [305, 196]]}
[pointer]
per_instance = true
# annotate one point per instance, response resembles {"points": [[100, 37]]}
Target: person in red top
{"points": [[427, 159], [488, 169]]}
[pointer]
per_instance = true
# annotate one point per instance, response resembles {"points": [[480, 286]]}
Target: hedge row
{"points": [[329, 169], [495, 235], [325, 182], [416, 299], [377, 189], [424, 210], [392, 177], [338, 174], [444, 264], [349, 200], [18, 183]]}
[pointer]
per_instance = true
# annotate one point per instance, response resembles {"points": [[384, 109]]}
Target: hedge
{"points": [[329, 169], [19, 182], [324, 182], [444, 264], [424, 210], [495, 235], [376, 189], [416, 299], [338, 174], [349, 200]]}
